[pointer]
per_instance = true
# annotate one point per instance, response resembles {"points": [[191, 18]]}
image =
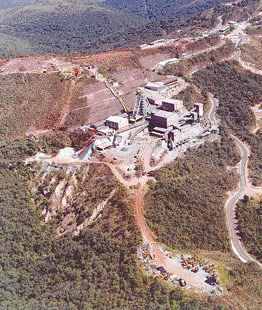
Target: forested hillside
{"points": [[181, 210], [95, 270], [237, 90], [163, 9], [60, 26], [249, 215]]}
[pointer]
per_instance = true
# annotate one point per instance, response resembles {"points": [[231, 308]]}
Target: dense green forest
{"points": [[96, 270], [237, 91], [62, 27], [163, 9], [187, 199], [249, 215], [81, 26], [189, 96]]}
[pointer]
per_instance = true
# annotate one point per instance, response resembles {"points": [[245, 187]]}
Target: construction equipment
{"points": [[141, 106]]}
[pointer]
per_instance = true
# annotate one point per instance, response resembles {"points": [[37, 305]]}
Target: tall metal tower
{"points": [[141, 106]]}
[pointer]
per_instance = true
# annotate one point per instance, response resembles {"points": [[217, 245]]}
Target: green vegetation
{"points": [[191, 95], [243, 282], [93, 270], [237, 90], [63, 26], [249, 214], [244, 287], [185, 206], [224, 274], [31, 101], [96, 270], [155, 10]]}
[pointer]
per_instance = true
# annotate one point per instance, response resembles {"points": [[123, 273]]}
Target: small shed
{"points": [[104, 131], [116, 122]]}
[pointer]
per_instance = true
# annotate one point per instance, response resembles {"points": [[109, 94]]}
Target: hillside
{"points": [[178, 207], [235, 110], [31, 102], [249, 212], [108, 206], [32, 27], [155, 10], [96, 269]]}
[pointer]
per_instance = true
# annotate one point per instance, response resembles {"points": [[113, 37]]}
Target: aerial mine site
{"points": [[131, 173]]}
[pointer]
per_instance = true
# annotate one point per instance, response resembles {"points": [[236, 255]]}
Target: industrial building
{"points": [[163, 119], [223, 30], [199, 109], [104, 131], [156, 86], [182, 135], [172, 105], [116, 122]]}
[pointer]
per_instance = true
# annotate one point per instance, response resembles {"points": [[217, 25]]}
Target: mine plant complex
{"points": [[155, 115]]}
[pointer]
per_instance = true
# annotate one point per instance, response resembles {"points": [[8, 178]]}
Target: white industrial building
{"points": [[104, 131], [116, 122], [223, 30]]}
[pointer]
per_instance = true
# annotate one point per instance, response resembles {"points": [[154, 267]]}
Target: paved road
{"points": [[230, 205], [237, 247]]}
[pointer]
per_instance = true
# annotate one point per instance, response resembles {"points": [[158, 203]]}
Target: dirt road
{"points": [[212, 111], [139, 216], [249, 66], [172, 266], [66, 108]]}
